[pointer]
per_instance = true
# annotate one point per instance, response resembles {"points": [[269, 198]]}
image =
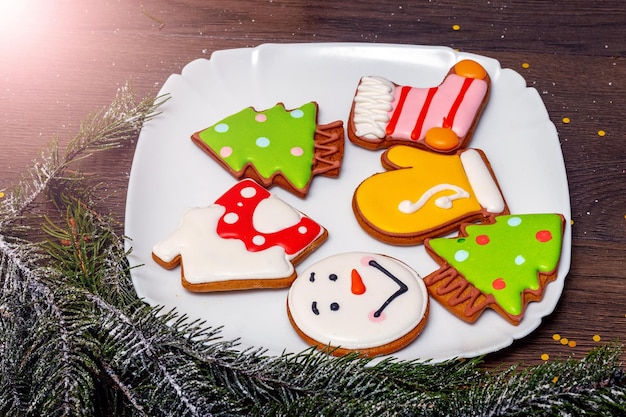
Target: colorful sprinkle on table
{"points": [[556, 337], [1, 194], [596, 338], [456, 27], [564, 340], [525, 65], [545, 357], [566, 120], [601, 133]]}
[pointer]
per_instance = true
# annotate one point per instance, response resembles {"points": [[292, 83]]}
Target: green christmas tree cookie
{"points": [[502, 266], [275, 146]]}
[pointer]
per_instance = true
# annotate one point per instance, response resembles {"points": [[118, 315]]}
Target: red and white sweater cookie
{"points": [[247, 239]]}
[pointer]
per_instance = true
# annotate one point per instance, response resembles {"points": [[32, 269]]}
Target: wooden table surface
{"points": [[62, 59]]}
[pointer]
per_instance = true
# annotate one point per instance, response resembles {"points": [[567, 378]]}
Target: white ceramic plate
{"points": [[170, 173]]}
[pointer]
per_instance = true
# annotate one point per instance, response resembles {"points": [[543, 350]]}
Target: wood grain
{"points": [[61, 60]]}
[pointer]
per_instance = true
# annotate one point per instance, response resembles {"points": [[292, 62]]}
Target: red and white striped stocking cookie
{"points": [[440, 118]]}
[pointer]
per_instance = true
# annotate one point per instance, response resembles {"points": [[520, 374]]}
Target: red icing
{"points": [[404, 91], [543, 236], [449, 120], [482, 239], [357, 287], [293, 239], [498, 284], [423, 112]]}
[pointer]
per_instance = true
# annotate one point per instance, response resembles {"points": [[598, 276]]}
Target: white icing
{"points": [[444, 202], [209, 258], [231, 218], [372, 103], [353, 325], [248, 192], [485, 188], [273, 215]]}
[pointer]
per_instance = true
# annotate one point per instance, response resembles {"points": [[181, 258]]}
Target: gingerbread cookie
{"points": [[247, 239], [502, 266], [276, 146], [440, 118], [426, 194], [358, 302]]}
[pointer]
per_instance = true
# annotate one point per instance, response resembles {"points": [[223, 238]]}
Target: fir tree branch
{"points": [[105, 129]]}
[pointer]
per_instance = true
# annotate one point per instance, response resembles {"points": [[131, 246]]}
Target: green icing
{"points": [[512, 258], [273, 140]]}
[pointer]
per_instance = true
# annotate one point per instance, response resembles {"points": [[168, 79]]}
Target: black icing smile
{"points": [[403, 288]]}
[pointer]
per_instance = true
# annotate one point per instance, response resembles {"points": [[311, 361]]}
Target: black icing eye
{"points": [[332, 277], [312, 277], [334, 306]]}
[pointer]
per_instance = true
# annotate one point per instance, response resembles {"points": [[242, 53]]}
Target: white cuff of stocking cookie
{"points": [[372, 104]]}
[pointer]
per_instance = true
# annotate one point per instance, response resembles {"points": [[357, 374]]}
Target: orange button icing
{"points": [[470, 69], [441, 138]]}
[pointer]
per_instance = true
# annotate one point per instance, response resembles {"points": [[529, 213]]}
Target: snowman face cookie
{"points": [[358, 301]]}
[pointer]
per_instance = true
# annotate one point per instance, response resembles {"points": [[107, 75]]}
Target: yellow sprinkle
{"points": [[525, 65], [572, 221], [556, 336], [555, 379], [566, 120], [572, 344], [456, 27], [601, 133], [2, 195], [564, 341], [596, 338], [545, 357]]}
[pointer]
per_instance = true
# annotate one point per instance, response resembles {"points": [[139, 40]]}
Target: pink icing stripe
{"points": [[397, 109], [413, 104], [449, 91], [448, 121], [457, 98], [416, 132]]}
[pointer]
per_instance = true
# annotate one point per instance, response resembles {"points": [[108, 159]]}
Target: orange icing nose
{"points": [[358, 287]]}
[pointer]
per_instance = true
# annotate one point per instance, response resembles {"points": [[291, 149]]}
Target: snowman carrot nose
{"points": [[358, 287]]}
